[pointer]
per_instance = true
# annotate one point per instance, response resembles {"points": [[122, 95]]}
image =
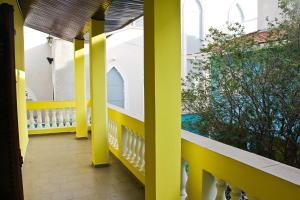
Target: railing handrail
{"points": [[275, 168], [38, 105], [126, 112], [244, 171]]}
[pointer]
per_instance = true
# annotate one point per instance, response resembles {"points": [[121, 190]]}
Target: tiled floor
{"points": [[59, 167]]}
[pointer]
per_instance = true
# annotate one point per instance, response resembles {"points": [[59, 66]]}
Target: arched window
{"points": [[192, 32], [192, 25], [236, 14], [115, 88]]}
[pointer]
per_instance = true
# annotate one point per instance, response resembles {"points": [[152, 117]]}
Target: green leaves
{"points": [[246, 88]]}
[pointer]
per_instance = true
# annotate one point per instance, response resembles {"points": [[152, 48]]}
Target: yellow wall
{"points": [[20, 74]]}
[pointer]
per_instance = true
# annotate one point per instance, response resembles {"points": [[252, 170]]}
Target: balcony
{"points": [[210, 169]]}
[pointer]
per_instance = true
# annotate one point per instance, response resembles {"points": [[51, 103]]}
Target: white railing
{"points": [[51, 118], [126, 140], [224, 172]]}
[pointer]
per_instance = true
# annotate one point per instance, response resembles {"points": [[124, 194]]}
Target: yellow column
{"points": [[97, 41], [80, 98], [162, 99]]}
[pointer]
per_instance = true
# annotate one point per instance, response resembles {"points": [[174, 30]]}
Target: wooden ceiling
{"points": [[66, 18]]}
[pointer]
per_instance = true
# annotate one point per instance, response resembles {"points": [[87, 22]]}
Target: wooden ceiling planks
{"points": [[66, 18]]}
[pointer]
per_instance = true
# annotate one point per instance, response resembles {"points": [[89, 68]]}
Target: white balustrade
{"points": [[138, 149], [74, 118], [184, 178], [31, 120], [47, 119], [54, 120], [64, 119], [142, 155], [67, 118], [133, 148], [221, 187], [39, 119], [60, 118]]}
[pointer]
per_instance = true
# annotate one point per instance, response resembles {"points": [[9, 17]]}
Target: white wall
{"points": [[267, 8], [125, 52], [37, 68], [63, 53]]}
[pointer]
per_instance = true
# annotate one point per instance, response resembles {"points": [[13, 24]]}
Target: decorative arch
{"points": [[236, 13], [115, 88], [192, 31]]}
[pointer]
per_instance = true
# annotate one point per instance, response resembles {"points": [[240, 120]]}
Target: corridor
{"points": [[58, 167]]}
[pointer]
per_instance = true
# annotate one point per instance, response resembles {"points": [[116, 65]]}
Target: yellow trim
{"points": [[44, 105], [98, 92], [254, 182], [43, 131], [162, 75], [80, 99]]}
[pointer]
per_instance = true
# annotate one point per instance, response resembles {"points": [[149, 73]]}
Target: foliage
{"points": [[246, 91]]}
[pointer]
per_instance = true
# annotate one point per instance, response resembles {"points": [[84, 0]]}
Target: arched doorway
{"points": [[115, 88]]}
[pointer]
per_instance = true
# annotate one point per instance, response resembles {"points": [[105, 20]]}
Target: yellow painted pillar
{"points": [[80, 97], [97, 41], [162, 99]]}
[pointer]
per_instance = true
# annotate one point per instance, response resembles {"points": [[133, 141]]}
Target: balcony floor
{"points": [[59, 167]]}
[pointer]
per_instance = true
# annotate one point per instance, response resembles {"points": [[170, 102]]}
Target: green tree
{"points": [[246, 87]]}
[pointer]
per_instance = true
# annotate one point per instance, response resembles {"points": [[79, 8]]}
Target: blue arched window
{"points": [[115, 88]]}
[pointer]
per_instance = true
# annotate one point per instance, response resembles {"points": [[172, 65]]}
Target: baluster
{"points": [[108, 131], [39, 119], [130, 139], [89, 117], [235, 193], [138, 149], [54, 120], [115, 131], [31, 119], [73, 118], [184, 178], [111, 139], [125, 141], [221, 187], [67, 117], [60, 119], [133, 148], [142, 165], [47, 119]]}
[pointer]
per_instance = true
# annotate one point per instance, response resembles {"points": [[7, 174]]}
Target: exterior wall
{"points": [[63, 54], [267, 8], [38, 69], [20, 75], [125, 52]]}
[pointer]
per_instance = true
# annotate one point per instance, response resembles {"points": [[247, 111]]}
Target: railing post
{"points": [[184, 178], [53, 119], [60, 118], [31, 119], [47, 119], [97, 40], [67, 118], [221, 187], [39, 119], [80, 97], [162, 82]]}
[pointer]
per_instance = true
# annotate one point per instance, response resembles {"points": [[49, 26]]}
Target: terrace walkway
{"points": [[58, 167]]}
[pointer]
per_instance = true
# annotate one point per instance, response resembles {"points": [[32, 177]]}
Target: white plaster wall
{"points": [[125, 52], [37, 68], [63, 53], [267, 8]]}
